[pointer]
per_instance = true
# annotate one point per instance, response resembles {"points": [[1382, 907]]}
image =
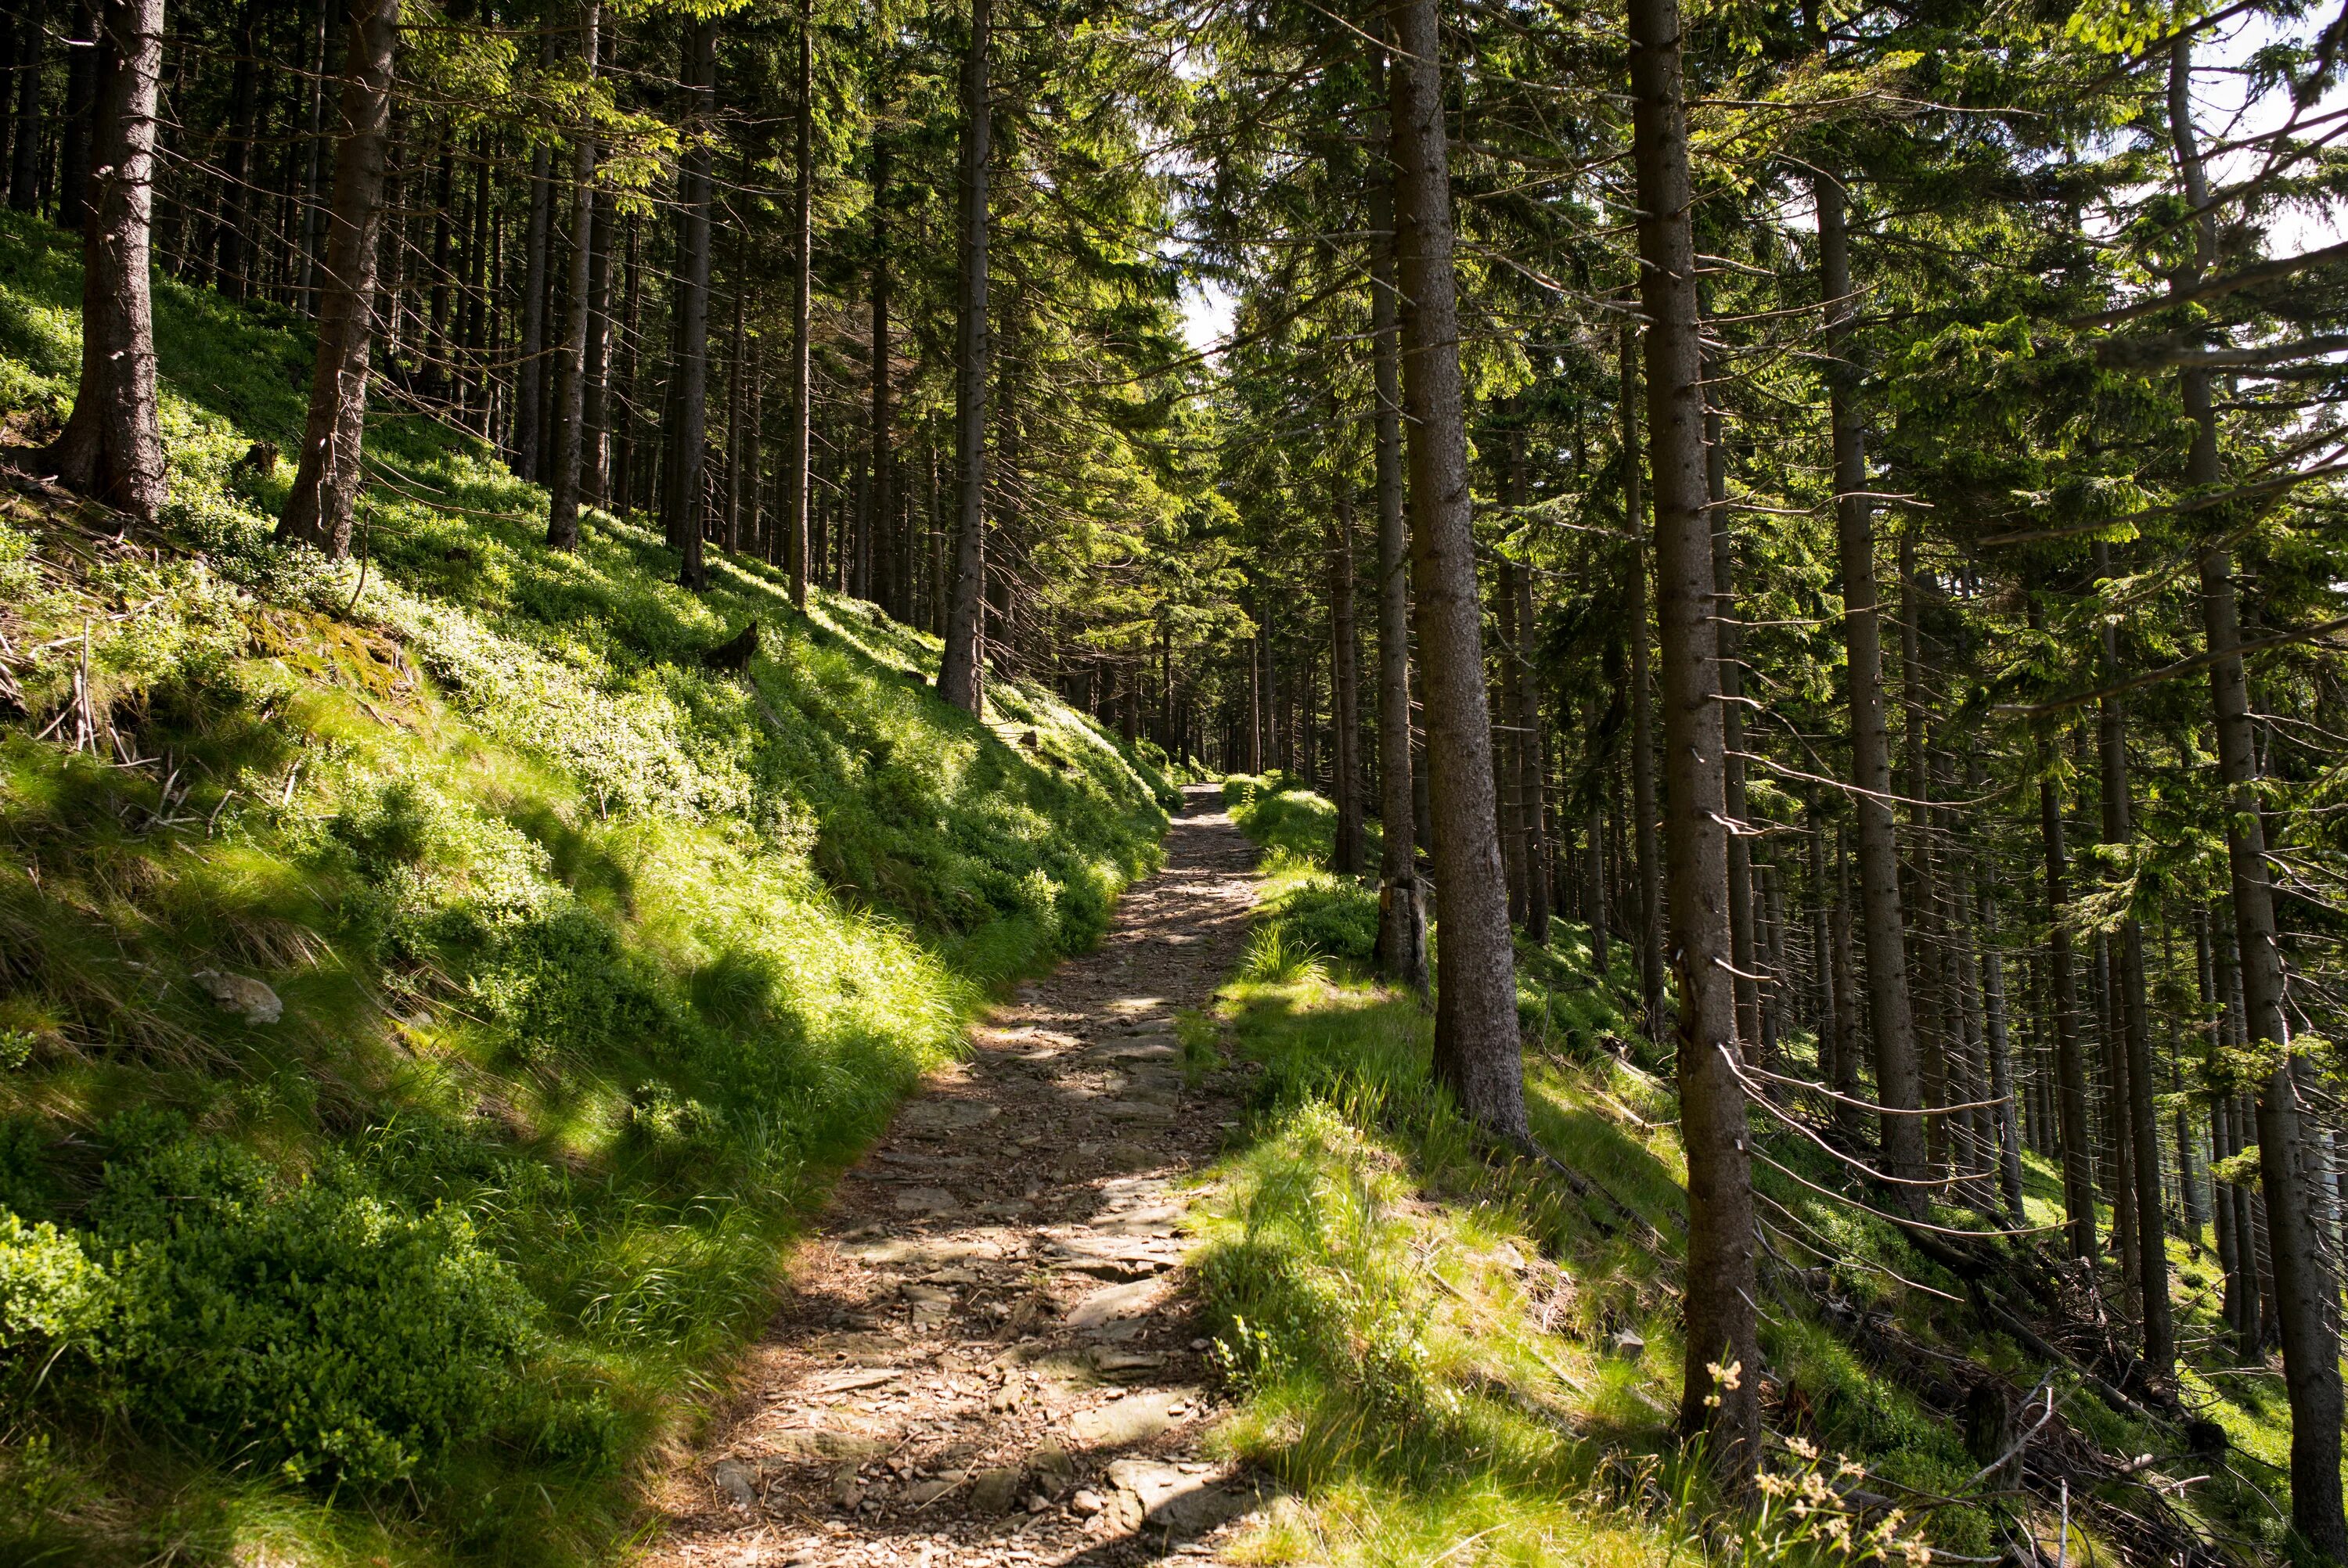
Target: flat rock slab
{"points": [[925, 1201], [1134, 1418], [947, 1115], [1121, 1256], [1179, 1498], [829, 1445], [1143, 1048], [1117, 1302]]}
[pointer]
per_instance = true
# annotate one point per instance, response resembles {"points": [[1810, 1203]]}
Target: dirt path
{"points": [[985, 1356]]}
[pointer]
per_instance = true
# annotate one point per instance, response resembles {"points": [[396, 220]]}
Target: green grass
{"points": [[1424, 1337], [595, 966]]}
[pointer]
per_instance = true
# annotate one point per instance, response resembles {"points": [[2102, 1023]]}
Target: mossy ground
{"points": [[1428, 1338], [611, 957]]}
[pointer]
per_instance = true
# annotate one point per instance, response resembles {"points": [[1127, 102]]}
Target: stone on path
{"points": [[1134, 1418]]}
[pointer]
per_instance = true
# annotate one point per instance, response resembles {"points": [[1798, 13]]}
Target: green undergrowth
{"points": [[1450, 1358], [594, 965]]}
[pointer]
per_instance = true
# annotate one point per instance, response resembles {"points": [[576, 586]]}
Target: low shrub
{"points": [[309, 1322]]}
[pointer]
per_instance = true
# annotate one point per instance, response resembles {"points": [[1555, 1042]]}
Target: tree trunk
{"points": [[1822, 1004], [314, 140], [2139, 1115], [570, 356], [1654, 1009], [112, 444], [736, 391], [234, 249], [2305, 1295], [1531, 774], [1732, 721], [960, 672], [2070, 1061], [798, 480], [895, 594], [1402, 908], [444, 204], [594, 483], [31, 50], [1475, 1042], [1506, 741], [1721, 1384], [73, 135], [1896, 1076], [327, 478], [689, 434], [2000, 1050], [529, 378], [1345, 683]]}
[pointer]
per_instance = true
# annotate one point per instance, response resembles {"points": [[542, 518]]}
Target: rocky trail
{"points": [[986, 1355]]}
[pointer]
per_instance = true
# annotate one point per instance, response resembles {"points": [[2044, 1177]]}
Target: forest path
{"points": [[986, 1355]]}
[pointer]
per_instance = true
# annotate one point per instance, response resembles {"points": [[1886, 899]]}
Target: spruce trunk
{"points": [[1476, 1043], [328, 477], [1402, 908], [571, 358], [1898, 1088], [959, 674], [1721, 1383], [112, 444]]}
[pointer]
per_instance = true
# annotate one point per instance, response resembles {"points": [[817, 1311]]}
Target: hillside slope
{"points": [[1438, 1351], [593, 964]]}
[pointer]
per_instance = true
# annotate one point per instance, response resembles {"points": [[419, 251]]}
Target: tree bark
{"points": [[233, 248], [2306, 1295], [1476, 1040], [327, 480], [1721, 1384], [1897, 1089], [895, 588], [2070, 1061], [960, 671], [530, 377], [797, 487], [1530, 775], [111, 447], [1401, 909], [1345, 680], [1998, 1046], [571, 357], [594, 482], [737, 389], [314, 146], [688, 433], [1506, 772], [2140, 1114], [1732, 722], [1653, 1003], [31, 50], [73, 132]]}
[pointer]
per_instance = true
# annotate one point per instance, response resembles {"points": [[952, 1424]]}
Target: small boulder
{"points": [[922, 1493], [1627, 1345], [738, 1480], [241, 994], [993, 1490]]}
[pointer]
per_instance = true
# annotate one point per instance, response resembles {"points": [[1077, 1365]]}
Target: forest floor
{"points": [[986, 1355]]}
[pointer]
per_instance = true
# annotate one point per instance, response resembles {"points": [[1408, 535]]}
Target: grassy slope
{"points": [[1428, 1343], [593, 964]]}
